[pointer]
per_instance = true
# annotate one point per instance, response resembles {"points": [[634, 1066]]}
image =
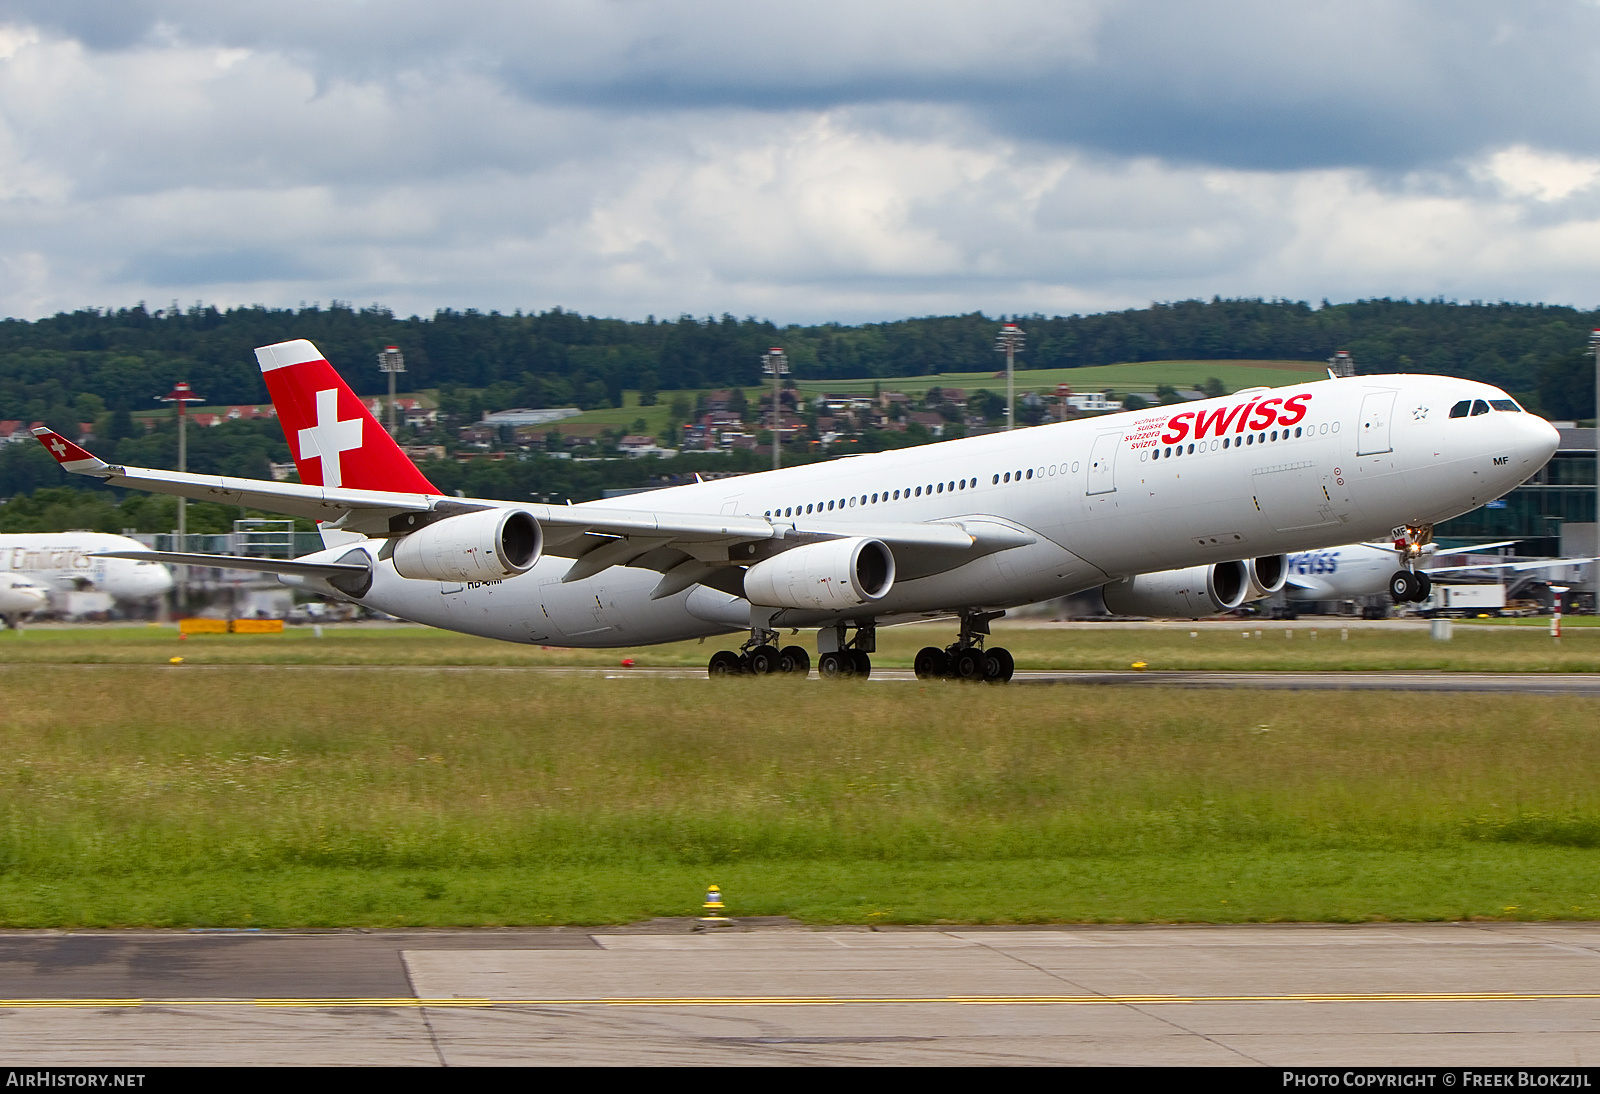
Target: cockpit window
{"points": [[1461, 408], [1505, 404], [1479, 407]]}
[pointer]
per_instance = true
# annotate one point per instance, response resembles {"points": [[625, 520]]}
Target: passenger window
{"points": [[1461, 408], [1479, 407]]}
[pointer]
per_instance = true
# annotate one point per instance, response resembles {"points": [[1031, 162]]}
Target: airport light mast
{"points": [[775, 363], [1010, 343], [1594, 347], [181, 394], [391, 361]]}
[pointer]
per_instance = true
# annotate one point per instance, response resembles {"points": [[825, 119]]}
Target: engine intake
{"points": [[837, 573], [1180, 594], [1268, 574], [489, 545]]}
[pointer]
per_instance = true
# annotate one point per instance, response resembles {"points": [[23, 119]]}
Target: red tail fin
{"points": [[335, 441]]}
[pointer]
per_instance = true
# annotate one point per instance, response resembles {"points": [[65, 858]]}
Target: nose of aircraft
{"points": [[1533, 439], [157, 579]]}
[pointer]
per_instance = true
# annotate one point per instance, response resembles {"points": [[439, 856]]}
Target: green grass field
{"points": [[1139, 376], [1135, 376], [271, 795]]}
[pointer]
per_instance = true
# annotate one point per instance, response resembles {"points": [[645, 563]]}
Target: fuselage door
{"points": [[1376, 410], [1103, 463]]}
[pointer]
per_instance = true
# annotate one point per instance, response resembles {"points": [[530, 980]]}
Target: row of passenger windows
{"points": [[1474, 407], [832, 504], [872, 499], [1264, 437]]}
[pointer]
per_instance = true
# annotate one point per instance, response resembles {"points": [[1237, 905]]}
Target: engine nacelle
{"points": [[834, 574], [1180, 594], [1268, 574], [489, 545]]}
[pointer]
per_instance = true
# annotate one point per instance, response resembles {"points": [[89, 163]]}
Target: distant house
{"points": [[12, 432], [933, 423]]}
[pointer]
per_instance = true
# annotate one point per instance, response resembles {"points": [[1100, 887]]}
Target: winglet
{"points": [[68, 455]]}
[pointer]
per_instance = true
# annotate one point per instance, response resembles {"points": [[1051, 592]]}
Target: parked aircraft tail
{"points": [[335, 441]]}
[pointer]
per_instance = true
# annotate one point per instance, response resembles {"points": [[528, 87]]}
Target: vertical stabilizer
{"points": [[334, 439]]}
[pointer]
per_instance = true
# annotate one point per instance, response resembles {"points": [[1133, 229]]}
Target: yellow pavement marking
{"points": [[820, 1000]]}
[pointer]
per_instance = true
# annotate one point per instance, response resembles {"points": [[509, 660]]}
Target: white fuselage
{"points": [[64, 562], [1256, 473]]}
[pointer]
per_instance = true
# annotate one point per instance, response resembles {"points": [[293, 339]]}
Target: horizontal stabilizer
{"points": [[240, 562]]}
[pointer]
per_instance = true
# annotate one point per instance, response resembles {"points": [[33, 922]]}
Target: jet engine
{"points": [[1185, 594], [1268, 574], [833, 574], [489, 545]]}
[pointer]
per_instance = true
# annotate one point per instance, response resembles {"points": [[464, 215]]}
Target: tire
{"points": [[839, 665], [1424, 587], [764, 661], [932, 663], [998, 665], [1403, 586], [968, 664], [794, 661], [724, 663], [863, 663]]}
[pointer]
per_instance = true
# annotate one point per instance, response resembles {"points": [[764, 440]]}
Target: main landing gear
{"points": [[968, 659], [761, 656]]}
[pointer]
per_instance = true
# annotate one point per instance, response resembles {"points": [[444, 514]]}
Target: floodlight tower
{"points": [[181, 394], [1594, 346], [775, 363], [391, 361], [1010, 343]]}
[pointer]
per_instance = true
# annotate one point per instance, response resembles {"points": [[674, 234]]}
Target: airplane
{"points": [[19, 597], [964, 528], [1368, 569], [1345, 572], [79, 562]]}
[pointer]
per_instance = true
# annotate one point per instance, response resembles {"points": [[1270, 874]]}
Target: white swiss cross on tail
{"points": [[353, 453], [329, 437]]}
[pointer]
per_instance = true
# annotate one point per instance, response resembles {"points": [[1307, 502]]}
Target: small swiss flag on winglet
{"points": [[67, 454], [335, 441]]}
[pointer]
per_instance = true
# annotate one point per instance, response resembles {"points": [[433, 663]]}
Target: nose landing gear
{"points": [[1408, 586], [968, 659]]}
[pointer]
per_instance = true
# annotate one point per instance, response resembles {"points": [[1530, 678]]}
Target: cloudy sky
{"points": [[850, 161]]}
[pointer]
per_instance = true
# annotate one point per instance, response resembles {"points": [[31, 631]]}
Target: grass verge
{"points": [[244, 796]]}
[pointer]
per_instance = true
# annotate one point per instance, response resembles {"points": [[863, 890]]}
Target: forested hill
{"points": [[128, 357]]}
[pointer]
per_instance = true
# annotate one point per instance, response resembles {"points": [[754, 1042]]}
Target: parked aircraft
{"points": [[64, 562], [964, 528], [19, 597], [1346, 572]]}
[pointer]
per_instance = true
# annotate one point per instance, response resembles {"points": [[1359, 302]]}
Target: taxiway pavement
{"points": [[663, 993]]}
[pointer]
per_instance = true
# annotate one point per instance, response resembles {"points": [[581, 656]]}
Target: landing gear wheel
{"points": [[1403, 586], [968, 664], [998, 665], [1424, 587], [763, 661], [863, 663], [931, 663], [794, 660], [839, 665], [724, 663]]}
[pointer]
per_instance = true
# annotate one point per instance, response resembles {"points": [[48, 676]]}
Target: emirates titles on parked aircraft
{"points": [[966, 528]]}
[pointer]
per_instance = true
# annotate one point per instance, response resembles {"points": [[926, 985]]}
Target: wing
{"points": [[1543, 564], [686, 548]]}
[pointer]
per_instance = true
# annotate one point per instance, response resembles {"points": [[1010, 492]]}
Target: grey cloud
{"points": [[1386, 84]]}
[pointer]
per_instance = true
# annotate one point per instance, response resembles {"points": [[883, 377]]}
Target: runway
{"points": [[662, 993], [1518, 683]]}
